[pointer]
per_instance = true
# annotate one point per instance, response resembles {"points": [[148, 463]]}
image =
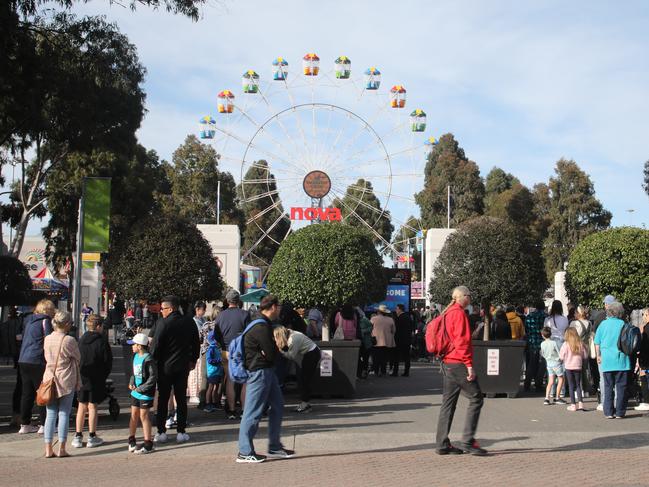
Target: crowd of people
{"points": [[184, 358]]}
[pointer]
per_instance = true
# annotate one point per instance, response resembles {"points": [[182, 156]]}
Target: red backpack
{"points": [[438, 342]]}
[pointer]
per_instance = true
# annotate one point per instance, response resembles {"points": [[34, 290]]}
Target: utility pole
{"points": [[78, 265], [218, 202], [448, 206]]}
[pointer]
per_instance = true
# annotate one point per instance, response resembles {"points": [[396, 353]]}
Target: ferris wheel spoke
{"points": [[275, 205], [378, 160], [264, 181], [370, 227], [278, 121], [383, 193], [261, 195], [265, 233]]}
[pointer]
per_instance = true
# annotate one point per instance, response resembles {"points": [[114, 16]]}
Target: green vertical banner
{"points": [[96, 221]]}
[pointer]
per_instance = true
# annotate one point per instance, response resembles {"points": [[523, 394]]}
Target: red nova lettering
{"points": [[326, 214]]}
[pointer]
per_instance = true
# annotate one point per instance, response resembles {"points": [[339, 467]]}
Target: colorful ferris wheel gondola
{"points": [[225, 102], [397, 96], [418, 120], [311, 64], [372, 78], [431, 141], [207, 127], [343, 67], [280, 69], [250, 82]]}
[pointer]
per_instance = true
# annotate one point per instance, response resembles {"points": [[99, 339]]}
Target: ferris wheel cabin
{"points": [[206, 130], [311, 64], [250, 82], [418, 120], [398, 96], [280, 69], [343, 67], [225, 102], [372, 79]]}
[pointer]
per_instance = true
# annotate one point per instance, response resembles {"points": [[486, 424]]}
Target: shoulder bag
{"points": [[46, 392]]}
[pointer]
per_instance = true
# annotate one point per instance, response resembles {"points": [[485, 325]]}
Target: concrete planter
{"points": [[342, 382]]}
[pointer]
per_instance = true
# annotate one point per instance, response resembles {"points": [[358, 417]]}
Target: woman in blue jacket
{"points": [[31, 362]]}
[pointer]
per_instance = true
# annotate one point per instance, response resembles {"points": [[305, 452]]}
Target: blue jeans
{"points": [[261, 388], [60, 408], [615, 381]]}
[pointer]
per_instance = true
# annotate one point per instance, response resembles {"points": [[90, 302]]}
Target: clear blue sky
{"points": [[520, 84]]}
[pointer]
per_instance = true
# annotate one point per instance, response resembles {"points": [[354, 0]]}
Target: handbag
{"points": [[46, 392]]}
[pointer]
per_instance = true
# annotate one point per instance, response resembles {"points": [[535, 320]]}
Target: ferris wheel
{"points": [[313, 144]]}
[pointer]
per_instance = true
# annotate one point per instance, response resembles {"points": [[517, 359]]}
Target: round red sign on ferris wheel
{"points": [[317, 184]]}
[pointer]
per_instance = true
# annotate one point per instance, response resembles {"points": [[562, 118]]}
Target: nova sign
{"points": [[325, 214]]}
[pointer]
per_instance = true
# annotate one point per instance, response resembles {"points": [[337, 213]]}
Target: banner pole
{"points": [[78, 265]]}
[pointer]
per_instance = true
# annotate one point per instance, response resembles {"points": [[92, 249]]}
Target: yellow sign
{"points": [[91, 257]]}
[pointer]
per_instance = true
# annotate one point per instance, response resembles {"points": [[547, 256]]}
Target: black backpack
{"points": [[629, 341]]}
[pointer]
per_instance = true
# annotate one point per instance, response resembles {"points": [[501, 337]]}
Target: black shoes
{"points": [[449, 450], [474, 449]]}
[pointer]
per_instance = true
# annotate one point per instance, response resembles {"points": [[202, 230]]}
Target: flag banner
{"points": [[96, 221]]}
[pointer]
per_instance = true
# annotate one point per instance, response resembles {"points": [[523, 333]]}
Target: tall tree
{"points": [[646, 178], [190, 8], [496, 183], [136, 179], [266, 223], [194, 176], [87, 96], [448, 166], [361, 208], [575, 213]]}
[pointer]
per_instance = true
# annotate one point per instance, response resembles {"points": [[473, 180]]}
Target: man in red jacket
{"points": [[457, 369]]}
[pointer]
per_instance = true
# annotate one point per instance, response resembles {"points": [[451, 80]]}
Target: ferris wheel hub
{"points": [[317, 184]]}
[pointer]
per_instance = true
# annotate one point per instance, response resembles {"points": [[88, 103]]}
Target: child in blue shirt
{"points": [[142, 386], [214, 373], [550, 352]]}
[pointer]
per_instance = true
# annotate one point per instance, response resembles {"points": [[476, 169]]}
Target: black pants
{"points": [[400, 354], [644, 388], [380, 359], [455, 381], [32, 375], [363, 361], [308, 369], [574, 385], [18, 390], [594, 375], [534, 369], [177, 380]]}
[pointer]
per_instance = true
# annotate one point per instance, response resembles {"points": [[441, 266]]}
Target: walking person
{"points": [[403, 340], [263, 390], [459, 377], [95, 366], [231, 323], [573, 353], [176, 349], [383, 329], [300, 349], [31, 362], [62, 358], [614, 364], [643, 363]]}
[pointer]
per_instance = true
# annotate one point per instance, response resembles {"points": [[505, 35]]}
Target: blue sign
{"points": [[395, 294]]}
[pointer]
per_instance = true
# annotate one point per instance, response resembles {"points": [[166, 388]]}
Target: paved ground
{"points": [[382, 437]]}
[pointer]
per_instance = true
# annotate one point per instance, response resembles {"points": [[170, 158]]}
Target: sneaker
{"points": [[132, 447], [474, 449], [600, 407], [643, 406], [547, 402], [253, 458], [232, 416], [304, 408], [77, 442], [610, 417], [41, 430], [144, 449], [448, 450], [160, 438], [572, 407], [281, 453], [182, 438], [169, 423], [27, 428], [560, 400], [94, 441]]}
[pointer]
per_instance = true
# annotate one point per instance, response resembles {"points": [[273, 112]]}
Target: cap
{"points": [[140, 339], [609, 299], [232, 296], [383, 308]]}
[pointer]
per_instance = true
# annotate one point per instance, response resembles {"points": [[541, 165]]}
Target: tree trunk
{"points": [[19, 238]]}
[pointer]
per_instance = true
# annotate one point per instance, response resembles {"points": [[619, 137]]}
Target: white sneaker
{"points": [[27, 428], [182, 437], [160, 438], [41, 430], [94, 441], [169, 423], [77, 442], [643, 406], [600, 407]]}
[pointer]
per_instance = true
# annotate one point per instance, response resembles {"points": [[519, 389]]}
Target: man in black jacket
{"points": [[403, 339], [262, 387], [176, 348]]}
